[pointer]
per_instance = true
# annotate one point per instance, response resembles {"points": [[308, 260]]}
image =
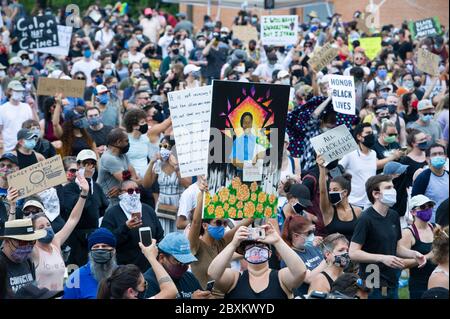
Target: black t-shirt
{"points": [[384, 151], [18, 275], [216, 59], [79, 144], [413, 166], [378, 235], [100, 137], [442, 214], [403, 48], [186, 285]]}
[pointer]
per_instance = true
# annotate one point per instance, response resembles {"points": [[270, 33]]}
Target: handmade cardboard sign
{"points": [[36, 32], [343, 94], [323, 57], [279, 30], [428, 62], [51, 87]]}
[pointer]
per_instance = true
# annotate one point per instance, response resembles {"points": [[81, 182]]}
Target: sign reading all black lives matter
{"points": [[36, 32]]}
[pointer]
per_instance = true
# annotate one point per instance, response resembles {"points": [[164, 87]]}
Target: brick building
{"points": [[392, 11]]}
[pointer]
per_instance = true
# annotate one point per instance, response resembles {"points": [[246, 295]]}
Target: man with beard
{"points": [[83, 282], [175, 256]]}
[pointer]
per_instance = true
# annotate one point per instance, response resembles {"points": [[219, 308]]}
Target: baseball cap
{"points": [[100, 89], [302, 193], [73, 115], [10, 157], [177, 245], [394, 168], [419, 200], [148, 11], [85, 155], [224, 29], [33, 292], [16, 86], [190, 68], [282, 74], [15, 60], [424, 105], [34, 203], [26, 134]]}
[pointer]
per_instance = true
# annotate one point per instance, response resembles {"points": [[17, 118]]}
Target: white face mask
{"points": [[17, 96], [389, 197], [286, 81], [2, 74]]}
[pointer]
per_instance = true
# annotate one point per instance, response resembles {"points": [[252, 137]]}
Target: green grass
{"points": [[403, 293]]}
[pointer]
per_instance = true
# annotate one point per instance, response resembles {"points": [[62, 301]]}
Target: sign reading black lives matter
{"points": [[36, 32], [334, 144]]}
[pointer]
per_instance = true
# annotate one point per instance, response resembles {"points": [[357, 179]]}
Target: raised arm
{"points": [[150, 176], [159, 128], [168, 290], [325, 205], [75, 215], [57, 116], [196, 224]]}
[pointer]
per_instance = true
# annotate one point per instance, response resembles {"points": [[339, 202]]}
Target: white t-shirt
{"points": [[164, 43], [86, 67], [188, 200], [135, 57], [361, 167], [104, 37], [11, 118], [265, 70], [151, 28]]}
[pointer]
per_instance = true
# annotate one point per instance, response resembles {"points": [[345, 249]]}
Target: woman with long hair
{"points": [[75, 137], [122, 64]]}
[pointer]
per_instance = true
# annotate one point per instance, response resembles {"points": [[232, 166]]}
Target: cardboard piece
{"points": [[36, 32], [38, 177], [343, 94], [425, 28], [64, 37], [428, 62], [334, 144], [51, 87], [323, 57], [190, 111], [279, 30], [245, 33]]}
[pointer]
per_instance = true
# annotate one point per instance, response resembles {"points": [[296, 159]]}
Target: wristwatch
{"points": [[84, 196]]}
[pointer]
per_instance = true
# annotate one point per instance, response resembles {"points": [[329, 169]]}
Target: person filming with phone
{"points": [[258, 281], [125, 219]]}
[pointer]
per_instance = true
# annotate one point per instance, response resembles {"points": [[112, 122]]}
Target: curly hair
{"points": [[68, 137], [440, 246], [132, 118]]}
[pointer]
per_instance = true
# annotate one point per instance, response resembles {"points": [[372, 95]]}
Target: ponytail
{"points": [[104, 289]]}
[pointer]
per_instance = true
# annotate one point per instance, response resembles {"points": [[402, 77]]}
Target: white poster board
{"points": [[279, 30], [334, 144], [191, 116], [64, 37], [343, 94]]}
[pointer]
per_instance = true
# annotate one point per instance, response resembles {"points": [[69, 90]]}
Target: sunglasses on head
{"points": [[133, 190]]}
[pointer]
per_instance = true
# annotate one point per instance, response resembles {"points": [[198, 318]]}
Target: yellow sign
{"points": [[372, 46]]}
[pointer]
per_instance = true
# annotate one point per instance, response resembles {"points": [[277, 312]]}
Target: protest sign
{"points": [[428, 62], [245, 33], [64, 37], [372, 46], [190, 111], [245, 150], [343, 94], [38, 177], [334, 144], [425, 28], [279, 30], [36, 32], [323, 57], [72, 88]]}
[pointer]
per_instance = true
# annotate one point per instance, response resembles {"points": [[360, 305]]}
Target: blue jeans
{"points": [[392, 293]]}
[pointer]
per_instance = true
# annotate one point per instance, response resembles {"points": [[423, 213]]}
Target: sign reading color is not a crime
{"points": [[36, 32], [38, 177], [334, 144]]}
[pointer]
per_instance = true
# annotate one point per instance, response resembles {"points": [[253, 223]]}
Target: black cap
{"points": [[10, 157], [33, 292], [302, 194]]}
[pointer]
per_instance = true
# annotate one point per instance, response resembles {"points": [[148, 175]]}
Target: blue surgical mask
{"points": [[49, 237], [98, 80], [409, 84], [29, 144], [108, 72], [382, 74], [216, 232], [438, 162], [103, 99], [309, 241], [87, 54], [94, 121], [384, 95], [426, 118]]}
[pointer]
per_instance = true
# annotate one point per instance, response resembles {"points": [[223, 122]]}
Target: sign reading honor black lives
{"points": [[35, 33]]}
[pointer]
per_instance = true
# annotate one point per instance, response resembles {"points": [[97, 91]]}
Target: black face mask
{"points": [[143, 128], [297, 73], [124, 149], [175, 51], [369, 141], [417, 84], [423, 146], [392, 108]]}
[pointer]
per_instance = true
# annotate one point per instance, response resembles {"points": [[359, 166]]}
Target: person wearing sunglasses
{"points": [[8, 164], [124, 221], [335, 251], [19, 238], [419, 236], [426, 122], [387, 145], [298, 233]]}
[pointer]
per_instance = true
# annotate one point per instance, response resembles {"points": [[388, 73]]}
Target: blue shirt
{"points": [[244, 148], [82, 284]]}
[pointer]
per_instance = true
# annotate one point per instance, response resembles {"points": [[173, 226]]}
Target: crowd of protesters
{"points": [[383, 206]]}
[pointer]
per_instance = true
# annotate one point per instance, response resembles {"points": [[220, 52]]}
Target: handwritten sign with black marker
{"points": [[334, 144], [37, 32], [343, 94], [38, 177]]}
